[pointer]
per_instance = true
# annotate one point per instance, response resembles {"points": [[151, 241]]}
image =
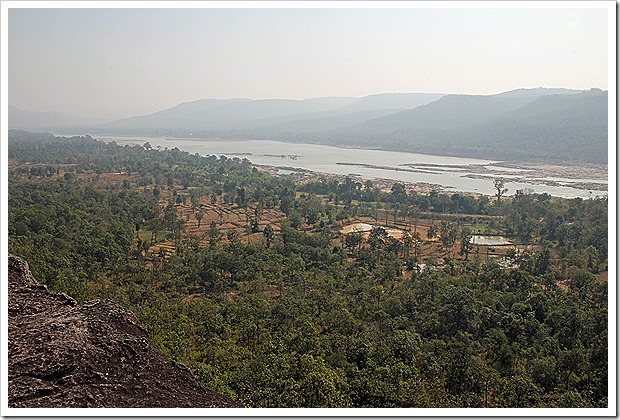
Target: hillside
{"points": [[21, 119], [390, 101], [62, 354], [560, 127], [540, 124], [449, 112], [569, 127], [226, 114], [274, 115]]}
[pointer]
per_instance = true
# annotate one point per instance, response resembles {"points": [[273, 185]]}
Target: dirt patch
{"points": [[199, 220], [602, 277]]}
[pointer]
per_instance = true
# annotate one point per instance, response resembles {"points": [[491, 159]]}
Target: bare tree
{"points": [[499, 186]]}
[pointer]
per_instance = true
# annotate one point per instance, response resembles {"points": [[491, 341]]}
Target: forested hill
{"points": [[545, 128], [248, 114], [553, 125], [565, 128], [20, 119], [542, 124]]}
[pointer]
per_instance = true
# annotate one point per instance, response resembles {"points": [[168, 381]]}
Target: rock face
{"points": [[62, 354]]}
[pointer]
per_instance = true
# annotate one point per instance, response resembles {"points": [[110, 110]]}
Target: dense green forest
{"points": [[293, 313]]}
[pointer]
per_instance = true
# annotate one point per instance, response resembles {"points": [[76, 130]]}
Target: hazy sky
{"points": [[157, 58]]}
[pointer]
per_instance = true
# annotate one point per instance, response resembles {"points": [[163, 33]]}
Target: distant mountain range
{"points": [[520, 126], [523, 124], [240, 113], [26, 120]]}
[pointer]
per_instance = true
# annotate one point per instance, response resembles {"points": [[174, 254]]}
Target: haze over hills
{"points": [[227, 114], [531, 124], [536, 92], [450, 111], [235, 114], [566, 126], [26, 120], [390, 101], [559, 127]]}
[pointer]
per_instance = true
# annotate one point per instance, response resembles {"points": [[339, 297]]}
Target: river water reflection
{"points": [[446, 172]]}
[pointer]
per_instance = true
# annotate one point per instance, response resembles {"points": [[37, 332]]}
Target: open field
{"points": [[226, 218]]}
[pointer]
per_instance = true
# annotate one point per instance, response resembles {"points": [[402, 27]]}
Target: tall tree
{"points": [[500, 189]]}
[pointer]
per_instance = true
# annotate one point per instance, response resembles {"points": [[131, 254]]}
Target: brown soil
{"points": [[602, 277], [62, 354], [226, 217]]}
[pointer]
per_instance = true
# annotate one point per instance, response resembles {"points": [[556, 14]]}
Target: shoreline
{"points": [[586, 180]]}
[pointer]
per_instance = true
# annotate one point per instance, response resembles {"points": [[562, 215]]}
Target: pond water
{"points": [[444, 172], [489, 240], [357, 227], [365, 228]]}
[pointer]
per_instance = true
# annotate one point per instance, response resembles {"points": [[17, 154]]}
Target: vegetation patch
{"points": [[250, 281]]}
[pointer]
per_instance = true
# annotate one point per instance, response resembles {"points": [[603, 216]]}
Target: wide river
{"points": [[447, 173]]}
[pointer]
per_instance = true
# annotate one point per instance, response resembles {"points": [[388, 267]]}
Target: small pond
{"points": [[490, 240], [365, 228]]}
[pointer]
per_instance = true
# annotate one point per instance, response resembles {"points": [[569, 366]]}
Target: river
{"points": [[445, 172]]}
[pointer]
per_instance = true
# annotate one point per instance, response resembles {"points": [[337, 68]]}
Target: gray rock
{"points": [[62, 354]]}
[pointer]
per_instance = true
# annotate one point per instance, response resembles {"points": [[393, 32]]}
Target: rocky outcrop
{"points": [[62, 354]]}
